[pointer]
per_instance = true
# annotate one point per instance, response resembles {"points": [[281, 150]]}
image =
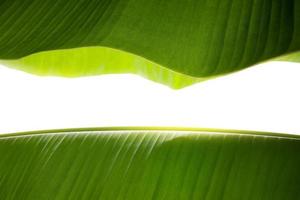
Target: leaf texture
{"points": [[197, 38], [149, 164]]}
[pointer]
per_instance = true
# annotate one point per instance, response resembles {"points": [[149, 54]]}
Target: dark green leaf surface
{"points": [[195, 38], [149, 164]]}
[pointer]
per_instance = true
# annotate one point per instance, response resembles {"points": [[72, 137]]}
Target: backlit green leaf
{"points": [[176, 42], [149, 164]]}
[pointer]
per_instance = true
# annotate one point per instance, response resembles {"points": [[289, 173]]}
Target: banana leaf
{"points": [[149, 163], [175, 42]]}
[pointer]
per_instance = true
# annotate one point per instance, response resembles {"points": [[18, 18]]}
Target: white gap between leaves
{"points": [[263, 98]]}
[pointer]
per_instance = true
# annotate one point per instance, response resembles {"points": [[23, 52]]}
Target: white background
{"points": [[263, 98]]}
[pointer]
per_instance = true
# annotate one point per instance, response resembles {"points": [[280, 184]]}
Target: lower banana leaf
{"points": [[149, 163]]}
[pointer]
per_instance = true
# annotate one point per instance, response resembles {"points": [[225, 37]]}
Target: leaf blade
{"points": [[146, 164], [200, 39]]}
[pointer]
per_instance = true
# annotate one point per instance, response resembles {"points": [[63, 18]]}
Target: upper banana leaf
{"points": [[135, 164], [176, 42]]}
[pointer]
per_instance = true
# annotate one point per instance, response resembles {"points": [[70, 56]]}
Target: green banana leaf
{"points": [[149, 163], [175, 42]]}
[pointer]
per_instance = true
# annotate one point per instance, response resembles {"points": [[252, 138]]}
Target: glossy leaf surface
{"points": [[149, 164]]}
